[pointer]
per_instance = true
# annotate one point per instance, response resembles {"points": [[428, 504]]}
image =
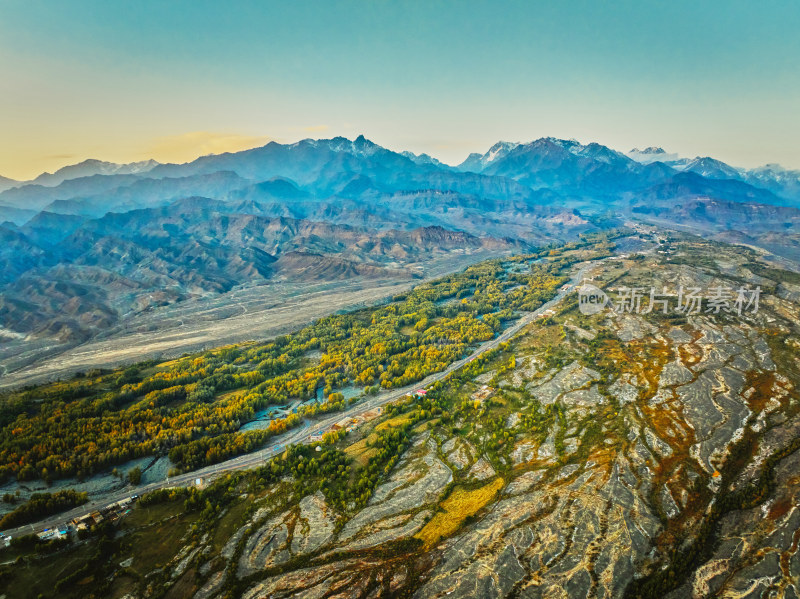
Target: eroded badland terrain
{"points": [[626, 453]]}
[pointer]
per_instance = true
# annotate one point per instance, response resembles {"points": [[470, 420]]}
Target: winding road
{"points": [[302, 434]]}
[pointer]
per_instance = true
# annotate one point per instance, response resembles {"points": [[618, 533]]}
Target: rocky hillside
{"points": [[69, 277], [638, 450], [614, 455]]}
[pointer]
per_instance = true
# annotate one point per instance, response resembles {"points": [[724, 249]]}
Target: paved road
{"points": [[299, 435]]}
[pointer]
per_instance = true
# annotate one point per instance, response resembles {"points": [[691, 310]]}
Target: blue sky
{"points": [[128, 80]]}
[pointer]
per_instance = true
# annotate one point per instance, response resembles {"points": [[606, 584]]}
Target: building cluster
{"points": [[112, 512], [52, 534], [347, 424]]}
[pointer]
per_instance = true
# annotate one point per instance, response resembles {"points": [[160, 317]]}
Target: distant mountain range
{"points": [[783, 182], [90, 167], [545, 162], [92, 242], [6, 183], [338, 165]]}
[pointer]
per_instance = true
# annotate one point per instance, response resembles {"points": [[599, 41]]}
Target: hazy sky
{"points": [[172, 80]]}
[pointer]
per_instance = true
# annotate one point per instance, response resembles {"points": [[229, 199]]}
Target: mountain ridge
{"points": [[161, 233]]}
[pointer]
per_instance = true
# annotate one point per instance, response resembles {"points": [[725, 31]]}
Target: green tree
{"points": [[135, 475]]}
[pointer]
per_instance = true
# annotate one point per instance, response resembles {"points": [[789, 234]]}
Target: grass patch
{"points": [[145, 516], [160, 367], [459, 506], [426, 425], [393, 422], [360, 451], [544, 336], [227, 394], [229, 523], [30, 580], [153, 546]]}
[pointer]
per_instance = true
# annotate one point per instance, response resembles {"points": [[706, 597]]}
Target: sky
{"points": [[128, 81]]}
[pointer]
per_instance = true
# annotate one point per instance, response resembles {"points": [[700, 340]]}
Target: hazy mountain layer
{"points": [[97, 243]]}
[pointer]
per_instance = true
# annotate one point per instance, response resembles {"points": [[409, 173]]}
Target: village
{"points": [[112, 512]]}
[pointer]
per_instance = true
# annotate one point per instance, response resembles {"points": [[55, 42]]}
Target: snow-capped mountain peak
{"points": [[654, 154], [498, 150], [360, 146], [478, 162], [649, 150], [567, 144], [712, 168], [593, 150]]}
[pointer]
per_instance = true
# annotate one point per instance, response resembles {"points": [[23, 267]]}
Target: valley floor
{"points": [[249, 313]]}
